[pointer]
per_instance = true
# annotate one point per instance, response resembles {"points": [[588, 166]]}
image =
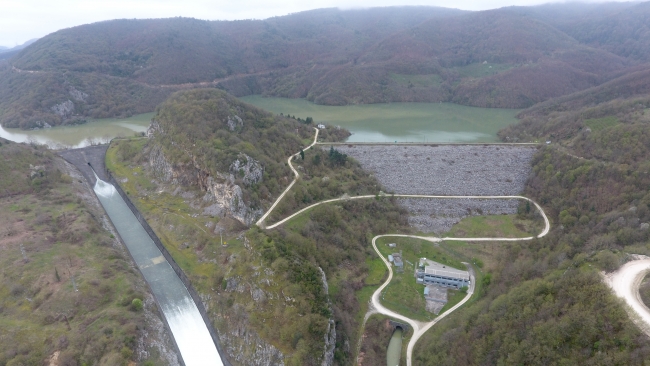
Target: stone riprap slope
{"points": [[439, 215], [459, 170]]}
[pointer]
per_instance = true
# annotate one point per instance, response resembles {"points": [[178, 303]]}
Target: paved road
{"points": [[625, 283], [419, 328]]}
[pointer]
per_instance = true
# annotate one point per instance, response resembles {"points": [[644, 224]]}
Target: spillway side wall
{"points": [[77, 162], [177, 269]]}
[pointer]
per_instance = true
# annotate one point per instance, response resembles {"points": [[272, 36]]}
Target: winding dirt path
{"points": [[260, 222], [625, 283], [419, 328]]}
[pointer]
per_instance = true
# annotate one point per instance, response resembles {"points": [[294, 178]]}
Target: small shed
{"points": [[390, 258], [392, 245]]}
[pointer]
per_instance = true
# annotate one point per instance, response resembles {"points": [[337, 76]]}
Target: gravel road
{"points": [[448, 170], [625, 283]]}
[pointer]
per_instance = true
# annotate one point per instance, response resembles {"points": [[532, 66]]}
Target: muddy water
{"points": [[394, 352], [93, 132], [188, 329], [399, 122]]}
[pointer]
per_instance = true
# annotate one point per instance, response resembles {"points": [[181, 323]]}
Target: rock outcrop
{"points": [[330, 334], [224, 197], [64, 109], [244, 346]]}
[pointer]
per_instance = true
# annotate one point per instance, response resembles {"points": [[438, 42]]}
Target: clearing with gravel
{"points": [[462, 170]]}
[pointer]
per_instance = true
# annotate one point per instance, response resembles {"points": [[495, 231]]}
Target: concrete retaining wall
{"points": [[177, 269]]}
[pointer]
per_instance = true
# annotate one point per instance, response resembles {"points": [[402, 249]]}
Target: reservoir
{"points": [[394, 352], [401, 122], [188, 329], [93, 132]]}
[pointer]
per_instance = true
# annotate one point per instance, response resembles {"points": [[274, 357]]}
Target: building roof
{"points": [[438, 269], [397, 257]]}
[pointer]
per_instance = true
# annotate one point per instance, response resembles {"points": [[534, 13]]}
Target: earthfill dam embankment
{"points": [[453, 170]]}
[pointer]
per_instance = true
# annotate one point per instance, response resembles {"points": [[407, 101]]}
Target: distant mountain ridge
{"points": [[8, 52], [506, 58]]}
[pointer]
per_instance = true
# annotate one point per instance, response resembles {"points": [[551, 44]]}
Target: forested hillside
{"points": [[510, 57], [211, 167], [546, 303]]}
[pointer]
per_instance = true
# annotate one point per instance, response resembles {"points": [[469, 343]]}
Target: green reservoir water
{"points": [[95, 131], [394, 352], [401, 122]]}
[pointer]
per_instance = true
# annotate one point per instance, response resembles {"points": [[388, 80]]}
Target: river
{"points": [[188, 329], [394, 352]]}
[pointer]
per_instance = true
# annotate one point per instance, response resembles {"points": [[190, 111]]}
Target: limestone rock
{"points": [[234, 122], [64, 109], [77, 95], [250, 170]]}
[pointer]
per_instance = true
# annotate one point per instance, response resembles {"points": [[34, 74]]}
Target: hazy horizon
{"points": [[31, 19]]}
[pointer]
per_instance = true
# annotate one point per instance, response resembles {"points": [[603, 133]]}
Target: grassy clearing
{"points": [[597, 124], [497, 226], [403, 294]]}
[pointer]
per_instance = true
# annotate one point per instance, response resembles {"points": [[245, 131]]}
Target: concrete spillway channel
{"points": [[196, 343]]}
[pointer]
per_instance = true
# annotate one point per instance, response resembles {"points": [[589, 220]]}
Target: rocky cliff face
{"points": [[224, 197], [330, 335]]}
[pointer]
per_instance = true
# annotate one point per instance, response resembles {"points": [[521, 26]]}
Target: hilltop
{"points": [[509, 58], [211, 167]]}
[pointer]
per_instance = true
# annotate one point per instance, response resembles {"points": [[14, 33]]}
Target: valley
{"points": [[399, 185]]}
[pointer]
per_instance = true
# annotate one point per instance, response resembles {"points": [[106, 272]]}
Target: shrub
{"points": [[136, 304]]}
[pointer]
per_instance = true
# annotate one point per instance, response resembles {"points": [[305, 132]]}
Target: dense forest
{"points": [[508, 58]]}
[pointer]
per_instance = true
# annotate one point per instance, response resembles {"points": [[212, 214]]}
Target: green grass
{"points": [[414, 249], [404, 295], [376, 271], [508, 226], [597, 124], [453, 298], [167, 212]]}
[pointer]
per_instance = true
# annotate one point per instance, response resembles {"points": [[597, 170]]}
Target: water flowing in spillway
{"points": [[187, 326]]}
